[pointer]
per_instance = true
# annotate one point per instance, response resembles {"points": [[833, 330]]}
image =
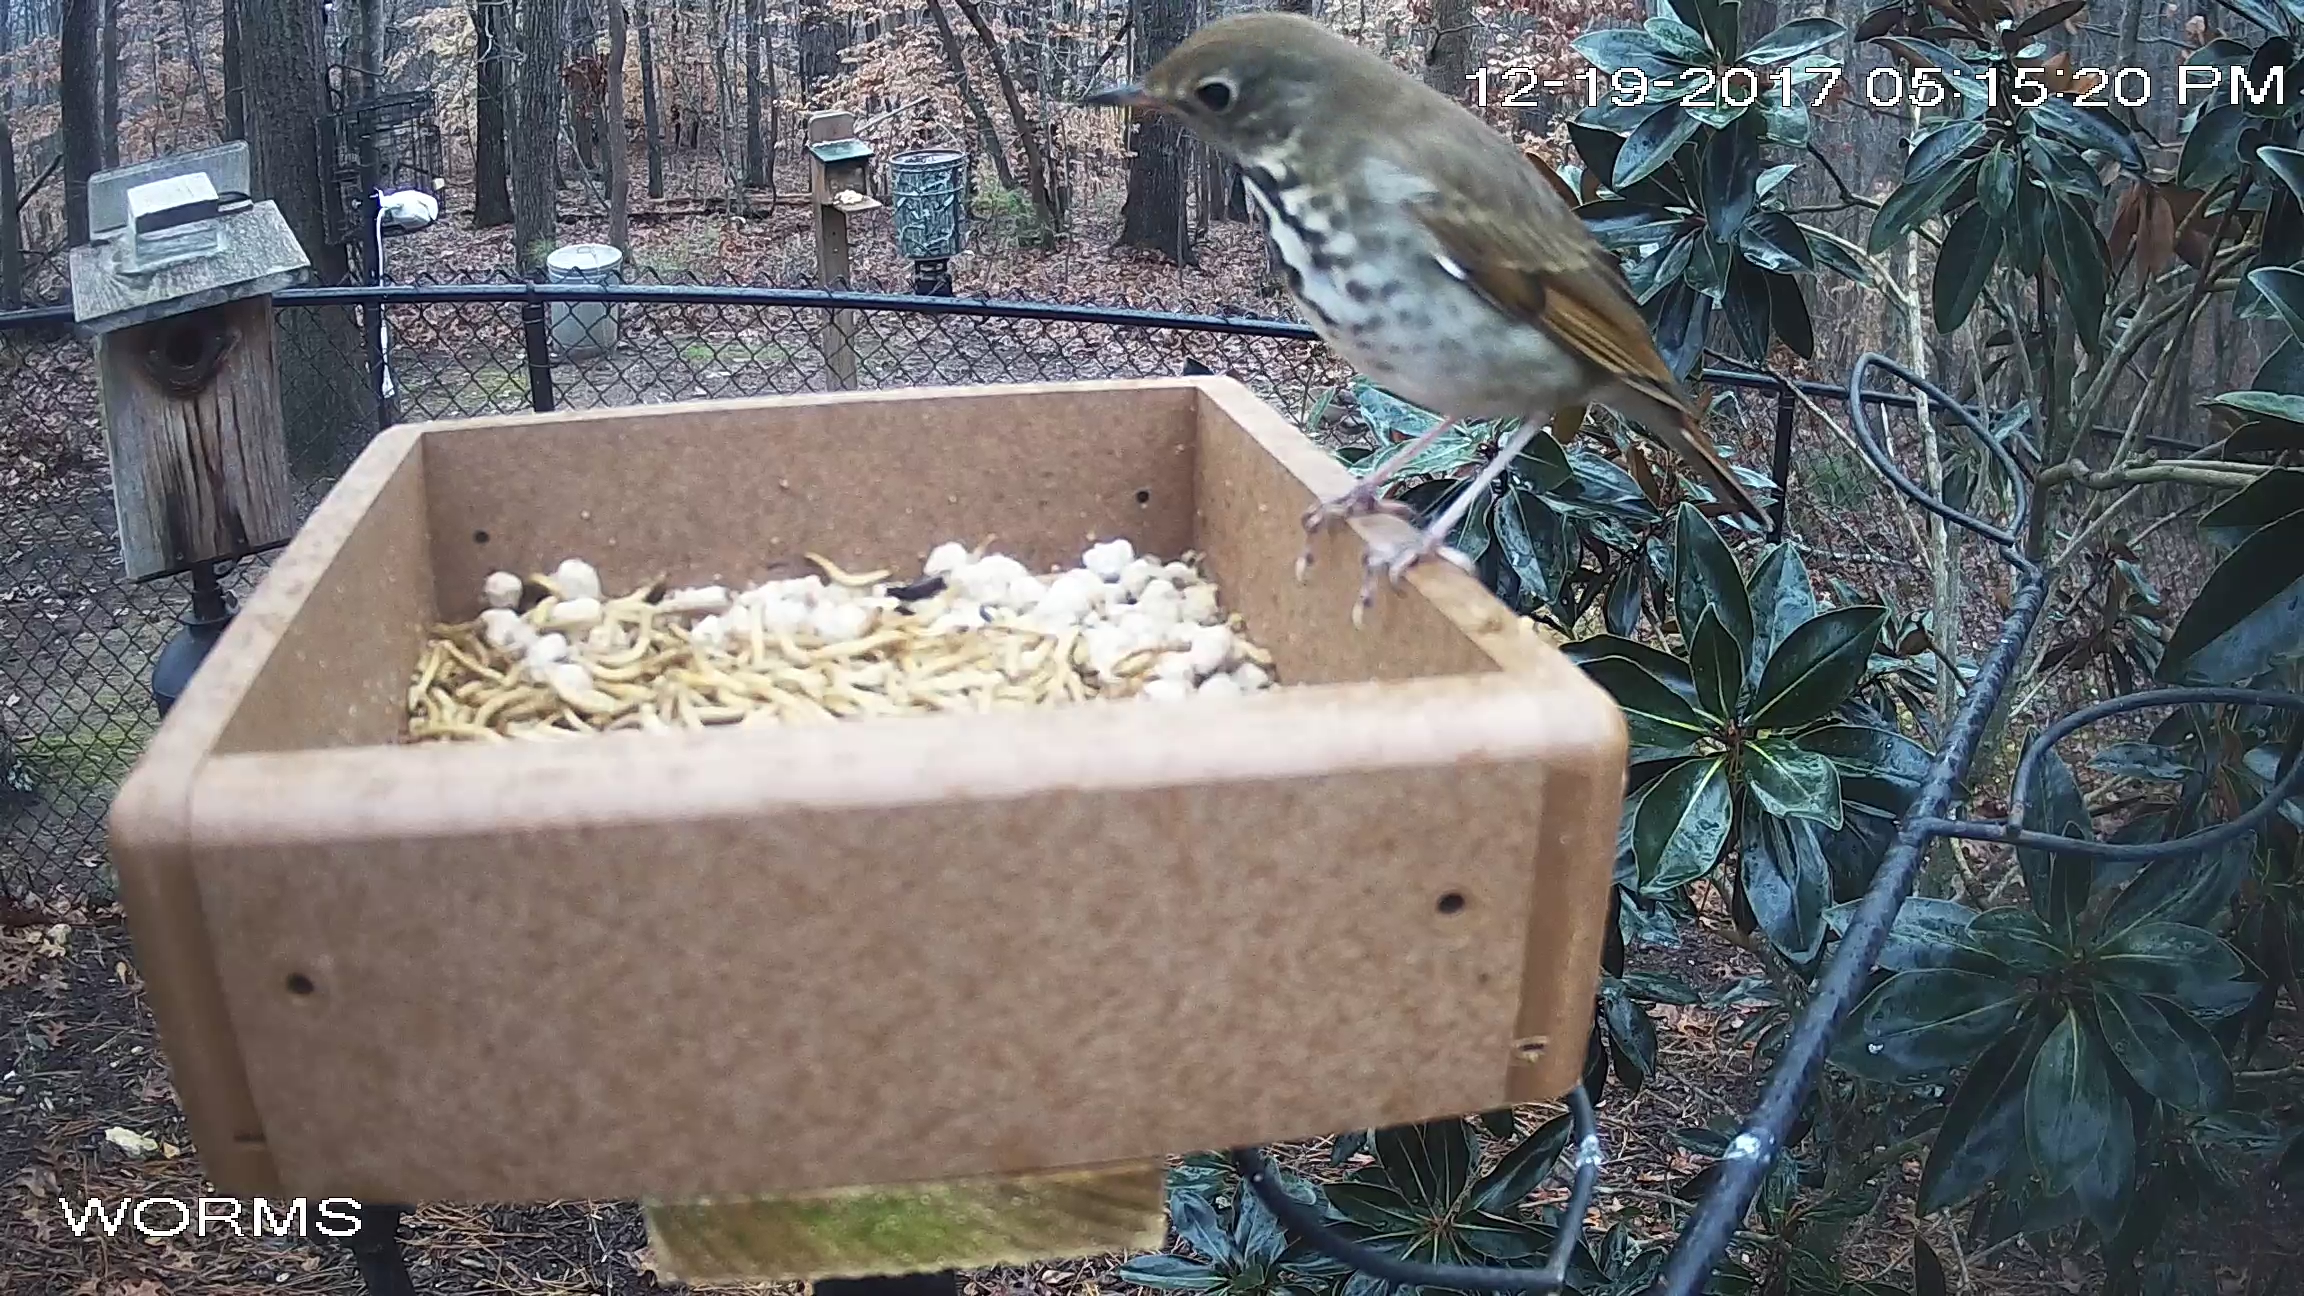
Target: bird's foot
{"points": [[1363, 500], [1391, 564]]}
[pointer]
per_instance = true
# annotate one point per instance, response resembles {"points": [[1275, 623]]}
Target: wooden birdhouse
{"points": [[176, 288], [839, 164]]}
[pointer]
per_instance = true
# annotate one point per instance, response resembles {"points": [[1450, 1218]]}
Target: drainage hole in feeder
{"points": [[479, 537], [299, 984], [1143, 497], [1453, 902]]}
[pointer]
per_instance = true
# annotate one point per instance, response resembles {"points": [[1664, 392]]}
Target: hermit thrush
{"points": [[1424, 248]]}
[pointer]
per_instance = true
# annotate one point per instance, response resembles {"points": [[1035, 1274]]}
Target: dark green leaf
{"points": [[1942, 144], [1789, 316], [2018, 940], [2140, 760], [1682, 825], [2072, 1117], [1621, 612], [1928, 1271], [1965, 265], [1661, 723], [2165, 958], [1619, 224], [2269, 498], [1871, 753], [1787, 884], [1257, 1232], [1731, 172], [1982, 1136], [1793, 39], [2248, 615], [1652, 144], [1679, 40], [2077, 251], [2040, 21], [1781, 599], [1718, 667], [1916, 1025], [1671, 670], [2088, 128], [1996, 182], [1523, 1169], [2187, 889], [1631, 1037], [1709, 261], [2286, 163], [1659, 987], [2057, 884], [2164, 1051], [1603, 489], [1430, 1163], [1831, 256], [2212, 148], [1706, 576], [1927, 933], [1612, 49], [2283, 287], [1774, 241], [1543, 464], [1816, 667], [1534, 541], [1170, 1273], [1195, 1221], [1793, 782], [1954, 69], [1913, 202], [1748, 306]]}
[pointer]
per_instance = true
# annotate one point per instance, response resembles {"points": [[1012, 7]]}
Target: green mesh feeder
{"points": [[928, 188]]}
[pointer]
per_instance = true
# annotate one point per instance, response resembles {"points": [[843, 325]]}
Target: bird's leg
{"points": [[1367, 495], [1394, 561]]}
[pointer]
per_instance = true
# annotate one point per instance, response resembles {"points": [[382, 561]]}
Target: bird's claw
{"points": [[1360, 501], [1392, 563]]}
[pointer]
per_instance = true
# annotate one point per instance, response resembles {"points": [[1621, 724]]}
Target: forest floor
{"points": [[78, 1060]]}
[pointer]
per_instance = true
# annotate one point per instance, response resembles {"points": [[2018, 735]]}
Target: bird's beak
{"points": [[1120, 96]]}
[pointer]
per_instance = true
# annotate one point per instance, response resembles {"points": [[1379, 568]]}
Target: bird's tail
{"points": [[1666, 416]]}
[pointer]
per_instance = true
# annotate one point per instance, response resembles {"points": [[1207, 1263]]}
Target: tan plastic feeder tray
{"points": [[752, 961]]}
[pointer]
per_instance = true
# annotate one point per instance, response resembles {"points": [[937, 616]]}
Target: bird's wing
{"points": [[1548, 273], [1552, 277]]}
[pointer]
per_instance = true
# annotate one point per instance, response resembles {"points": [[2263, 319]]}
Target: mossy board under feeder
{"points": [[735, 965]]}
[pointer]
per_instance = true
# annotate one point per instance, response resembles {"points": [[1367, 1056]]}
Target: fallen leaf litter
{"points": [[552, 657]]}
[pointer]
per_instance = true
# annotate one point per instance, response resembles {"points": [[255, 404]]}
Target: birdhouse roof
{"points": [[846, 150], [259, 255]]}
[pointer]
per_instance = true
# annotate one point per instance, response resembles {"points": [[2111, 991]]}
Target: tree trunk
{"points": [[328, 405], [112, 68], [723, 17], [1448, 59], [196, 55], [956, 63], [583, 86], [821, 38], [1154, 215], [491, 180], [536, 119], [651, 111], [768, 62], [618, 144], [1027, 140], [755, 144], [235, 96], [81, 23], [11, 224]]}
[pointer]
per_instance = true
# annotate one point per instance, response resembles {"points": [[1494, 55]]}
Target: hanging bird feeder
{"points": [[929, 190]]}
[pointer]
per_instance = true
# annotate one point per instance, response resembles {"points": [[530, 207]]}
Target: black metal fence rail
{"points": [[1282, 360]]}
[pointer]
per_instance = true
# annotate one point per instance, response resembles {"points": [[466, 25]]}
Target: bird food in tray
{"points": [[552, 656]]}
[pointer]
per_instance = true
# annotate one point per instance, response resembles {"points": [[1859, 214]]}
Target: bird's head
{"points": [[1247, 83]]}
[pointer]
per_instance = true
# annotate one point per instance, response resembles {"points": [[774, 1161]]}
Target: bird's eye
{"points": [[1214, 95]]}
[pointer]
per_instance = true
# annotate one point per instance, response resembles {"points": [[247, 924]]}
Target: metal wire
{"points": [[1256, 1171]]}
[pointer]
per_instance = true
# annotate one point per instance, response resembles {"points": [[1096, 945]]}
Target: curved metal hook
{"points": [[1256, 1171], [1911, 490], [2010, 831]]}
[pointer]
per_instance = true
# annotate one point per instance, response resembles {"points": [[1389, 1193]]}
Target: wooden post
{"points": [[192, 420], [837, 339]]}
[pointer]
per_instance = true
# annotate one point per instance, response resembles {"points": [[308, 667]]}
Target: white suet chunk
{"points": [[1220, 686], [577, 579], [711, 632], [501, 590], [1250, 676], [501, 627], [546, 651], [1167, 690], [1212, 648], [1198, 605], [1108, 559], [945, 558], [702, 598], [1138, 574], [576, 614], [839, 622]]}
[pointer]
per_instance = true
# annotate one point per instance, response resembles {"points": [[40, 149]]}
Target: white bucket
{"points": [[583, 330]]}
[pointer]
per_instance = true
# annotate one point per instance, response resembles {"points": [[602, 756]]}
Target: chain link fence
{"points": [[78, 640]]}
